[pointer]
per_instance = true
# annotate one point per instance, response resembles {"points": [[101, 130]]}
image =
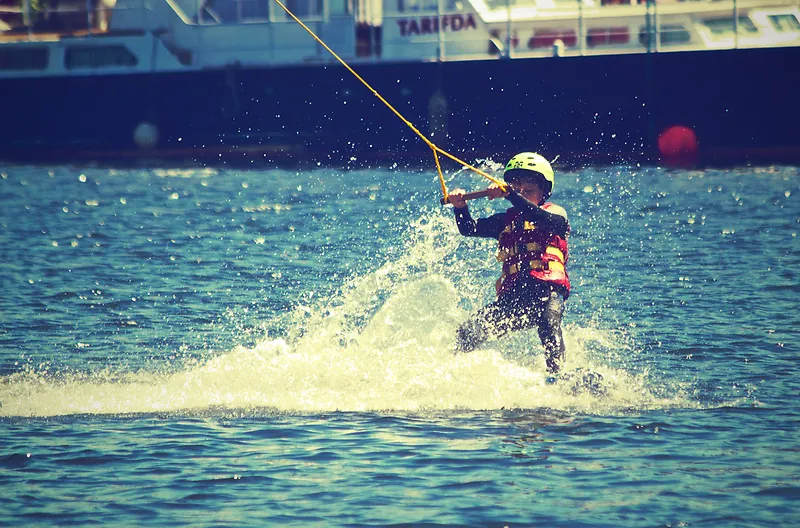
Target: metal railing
{"points": [[504, 28], [527, 29], [40, 19]]}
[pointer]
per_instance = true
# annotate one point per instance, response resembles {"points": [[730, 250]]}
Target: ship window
{"points": [[249, 9], [787, 22], [546, 38], [669, 34], [721, 27], [98, 57], [503, 4], [404, 6], [23, 58], [305, 8], [674, 34], [603, 36]]}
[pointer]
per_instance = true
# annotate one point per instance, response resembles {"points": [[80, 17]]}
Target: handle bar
{"points": [[470, 196]]}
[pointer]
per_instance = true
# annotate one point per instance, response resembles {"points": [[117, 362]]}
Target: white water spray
{"points": [[385, 343]]}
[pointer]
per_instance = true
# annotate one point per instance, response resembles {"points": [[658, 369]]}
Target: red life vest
{"points": [[522, 248]]}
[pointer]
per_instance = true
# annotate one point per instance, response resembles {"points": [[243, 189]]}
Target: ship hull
{"points": [[738, 104]]}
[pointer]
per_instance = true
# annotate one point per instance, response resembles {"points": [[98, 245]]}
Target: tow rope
{"points": [[436, 150]]}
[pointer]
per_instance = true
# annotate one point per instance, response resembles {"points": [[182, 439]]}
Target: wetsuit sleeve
{"points": [[490, 227], [554, 222]]}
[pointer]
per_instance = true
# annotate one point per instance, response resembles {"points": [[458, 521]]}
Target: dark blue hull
{"points": [[740, 104]]}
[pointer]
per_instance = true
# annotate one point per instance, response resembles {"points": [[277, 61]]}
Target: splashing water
{"points": [[384, 342]]}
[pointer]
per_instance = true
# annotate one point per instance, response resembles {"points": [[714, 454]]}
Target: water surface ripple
{"points": [[246, 348]]}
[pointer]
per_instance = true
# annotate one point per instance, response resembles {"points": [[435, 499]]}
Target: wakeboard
{"points": [[580, 381]]}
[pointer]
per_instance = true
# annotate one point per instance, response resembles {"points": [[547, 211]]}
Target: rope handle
{"points": [[468, 196], [436, 150]]}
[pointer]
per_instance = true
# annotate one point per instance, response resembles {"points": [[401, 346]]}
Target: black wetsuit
{"points": [[529, 302]]}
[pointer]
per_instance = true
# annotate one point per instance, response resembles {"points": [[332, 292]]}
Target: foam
{"points": [[385, 342]]}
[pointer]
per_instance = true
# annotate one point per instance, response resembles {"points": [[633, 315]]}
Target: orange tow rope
{"points": [[436, 150]]}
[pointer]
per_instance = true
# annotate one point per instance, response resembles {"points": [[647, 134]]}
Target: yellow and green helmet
{"points": [[530, 165]]}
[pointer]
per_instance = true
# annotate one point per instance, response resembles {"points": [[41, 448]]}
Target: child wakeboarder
{"points": [[532, 246]]}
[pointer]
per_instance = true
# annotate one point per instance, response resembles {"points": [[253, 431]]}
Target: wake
{"points": [[384, 343]]}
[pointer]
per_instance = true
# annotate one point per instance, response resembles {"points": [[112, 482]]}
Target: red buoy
{"points": [[678, 146]]}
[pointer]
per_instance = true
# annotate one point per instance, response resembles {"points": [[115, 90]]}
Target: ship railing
{"points": [[438, 30], [435, 30], [38, 20], [80, 17], [256, 32], [203, 33], [238, 31]]}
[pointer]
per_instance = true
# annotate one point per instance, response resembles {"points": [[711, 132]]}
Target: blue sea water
{"points": [[214, 347]]}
